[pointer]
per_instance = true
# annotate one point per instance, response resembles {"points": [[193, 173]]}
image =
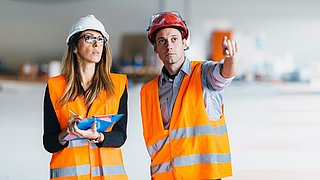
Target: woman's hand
{"points": [[91, 134], [72, 128]]}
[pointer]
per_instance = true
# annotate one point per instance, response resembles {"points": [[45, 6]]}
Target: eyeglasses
{"points": [[92, 39]]}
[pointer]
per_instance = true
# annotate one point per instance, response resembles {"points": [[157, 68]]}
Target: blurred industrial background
{"points": [[272, 107]]}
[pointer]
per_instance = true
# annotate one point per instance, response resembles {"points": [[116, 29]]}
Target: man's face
{"points": [[170, 46]]}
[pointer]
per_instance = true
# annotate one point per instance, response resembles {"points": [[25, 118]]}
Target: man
{"points": [[182, 109]]}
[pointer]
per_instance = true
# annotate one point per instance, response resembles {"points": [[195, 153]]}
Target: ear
{"points": [[75, 50], [155, 48], [184, 43]]}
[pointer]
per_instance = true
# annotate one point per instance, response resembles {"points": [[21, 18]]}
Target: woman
{"points": [[85, 88]]}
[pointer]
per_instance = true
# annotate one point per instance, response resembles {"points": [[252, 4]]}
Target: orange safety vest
{"points": [[82, 159], [193, 147]]}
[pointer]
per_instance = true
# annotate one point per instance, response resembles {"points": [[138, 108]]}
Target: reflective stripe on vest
{"points": [[81, 142], [85, 169], [190, 160], [187, 132], [161, 168], [201, 158], [107, 170], [154, 148], [70, 171], [78, 143], [197, 131]]}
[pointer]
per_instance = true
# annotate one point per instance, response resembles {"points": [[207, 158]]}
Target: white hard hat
{"points": [[86, 23]]}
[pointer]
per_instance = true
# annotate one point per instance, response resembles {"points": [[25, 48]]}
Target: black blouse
{"points": [[114, 138]]}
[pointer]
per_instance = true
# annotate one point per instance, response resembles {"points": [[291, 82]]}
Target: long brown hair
{"points": [[101, 78]]}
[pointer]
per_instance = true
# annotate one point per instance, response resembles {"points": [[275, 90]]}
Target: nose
{"points": [[169, 45], [95, 43]]}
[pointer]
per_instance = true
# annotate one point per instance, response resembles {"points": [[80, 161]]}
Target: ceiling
{"points": [[35, 30], [46, 1]]}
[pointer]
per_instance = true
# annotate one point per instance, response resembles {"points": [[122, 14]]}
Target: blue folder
{"points": [[103, 122]]}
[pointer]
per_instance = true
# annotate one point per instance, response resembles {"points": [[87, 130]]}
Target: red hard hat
{"points": [[166, 19]]}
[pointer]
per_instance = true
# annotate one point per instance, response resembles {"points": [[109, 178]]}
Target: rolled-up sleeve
{"points": [[211, 75]]}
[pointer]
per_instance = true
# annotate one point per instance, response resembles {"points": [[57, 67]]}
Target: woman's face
{"points": [[90, 46]]}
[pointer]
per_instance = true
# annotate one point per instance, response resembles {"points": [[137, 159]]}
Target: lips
{"points": [[96, 53], [171, 53]]}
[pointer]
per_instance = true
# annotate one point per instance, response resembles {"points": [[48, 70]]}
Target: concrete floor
{"points": [[273, 129]]}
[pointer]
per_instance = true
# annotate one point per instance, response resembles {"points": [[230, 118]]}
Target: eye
{"points": [[86, 37], [174, 39], [100, 39], [161, 41]]}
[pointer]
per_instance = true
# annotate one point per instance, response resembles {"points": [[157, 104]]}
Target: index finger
{"points": [[224, 42]]}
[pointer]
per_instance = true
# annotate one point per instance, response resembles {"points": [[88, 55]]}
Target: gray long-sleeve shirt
{"points": [[213, 84]]}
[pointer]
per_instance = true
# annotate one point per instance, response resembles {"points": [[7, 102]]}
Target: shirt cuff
{"points": [[217, 75]]}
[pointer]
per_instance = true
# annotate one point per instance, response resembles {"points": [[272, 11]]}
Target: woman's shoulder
{"points": [[58, 78], [117, 75], [57, 83], [119, 79]]}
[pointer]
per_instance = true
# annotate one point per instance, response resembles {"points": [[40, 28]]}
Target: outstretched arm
{"points": [[230, 66]]}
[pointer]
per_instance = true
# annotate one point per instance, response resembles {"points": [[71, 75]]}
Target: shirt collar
{"points": [[185, 68]]}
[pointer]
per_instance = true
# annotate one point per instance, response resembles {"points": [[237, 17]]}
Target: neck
{"points": [[86, 72], [165, 71], [174, 68]]}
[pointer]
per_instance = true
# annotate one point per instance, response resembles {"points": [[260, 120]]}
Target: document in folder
{"points": [[103, 122]]}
